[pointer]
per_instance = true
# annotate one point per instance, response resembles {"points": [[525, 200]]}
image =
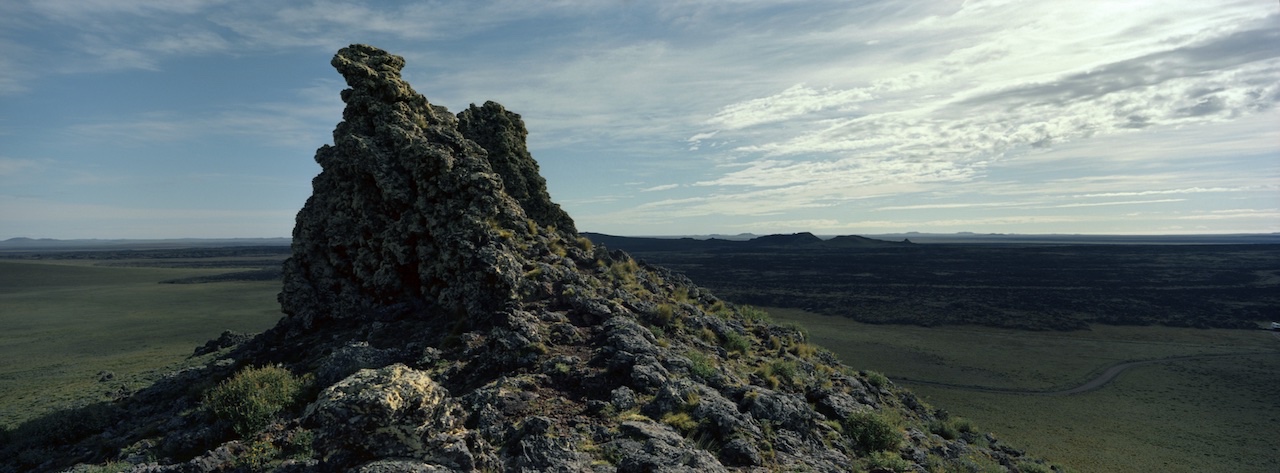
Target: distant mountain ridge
{"points": [[23, 243], [680, 243], [793, 240]]}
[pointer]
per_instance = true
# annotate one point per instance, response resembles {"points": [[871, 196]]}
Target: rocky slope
{"points": [[442, 314]]}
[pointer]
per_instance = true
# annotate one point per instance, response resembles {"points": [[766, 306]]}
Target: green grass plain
{"points": [[65, 321], [1188, 415]]}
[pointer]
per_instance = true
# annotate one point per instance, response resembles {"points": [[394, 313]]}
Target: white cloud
{"points": [[13, 167], [192, 43], [1104, 204], [303, 123], [791, 103], [662, 187], [953, 206], [1189, 190], [818, 111], [1252, 214]]}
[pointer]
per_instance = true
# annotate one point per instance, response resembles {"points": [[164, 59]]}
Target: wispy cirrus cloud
{"points": [[702, 115], [662, 187], [304, 123], [947, 122], [14, 166], [1122, 202]]}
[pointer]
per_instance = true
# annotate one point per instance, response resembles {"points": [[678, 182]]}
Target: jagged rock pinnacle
{"points": [[406, 210], [502, 135]]}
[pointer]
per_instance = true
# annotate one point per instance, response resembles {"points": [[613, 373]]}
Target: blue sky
{"points": [[200, 118]]}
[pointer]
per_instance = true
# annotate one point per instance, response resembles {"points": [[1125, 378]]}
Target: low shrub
{"points": [[253, 397], [1028, 466], [257, 455], [753, 314], [804, 350], [681, 294], [586, 244], [887, 461], [787, 370], [944, 429], [624, 271], [735, 342], [876, 379], [873, 431], [665, 314], [701, 365]]}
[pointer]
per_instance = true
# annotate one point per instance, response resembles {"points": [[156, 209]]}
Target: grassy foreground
{"points": [[66, 321], [1187, 415]]}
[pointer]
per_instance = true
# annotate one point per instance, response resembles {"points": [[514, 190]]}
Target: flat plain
{"points": [[67, 321], [1210, 407]]}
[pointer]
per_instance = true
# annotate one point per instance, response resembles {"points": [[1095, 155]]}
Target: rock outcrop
{"points": [[405, 213], [446, 316], [502, 135]]}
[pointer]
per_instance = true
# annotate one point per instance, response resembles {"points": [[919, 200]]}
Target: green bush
{"points": [[873, 432], [735, 342], [777, 372], [664, 314], [944, 429], [753, 314], [253, 397], [701, 365], [882, 461], [1028, 466], [787, 370], [876, 379]]}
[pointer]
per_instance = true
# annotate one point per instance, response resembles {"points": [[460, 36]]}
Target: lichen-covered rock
{"points": [[406, 211], [648, 447], [392, 412], [502, 135], [348, 359]]}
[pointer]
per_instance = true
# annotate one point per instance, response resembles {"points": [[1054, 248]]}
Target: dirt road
{"points": [[1096, 383]]}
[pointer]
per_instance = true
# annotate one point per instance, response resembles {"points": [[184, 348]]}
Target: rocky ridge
{"points": [[442, 314]]}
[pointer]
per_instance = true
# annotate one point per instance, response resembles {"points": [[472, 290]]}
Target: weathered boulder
{"points": [[393, 412], [647, 446]]}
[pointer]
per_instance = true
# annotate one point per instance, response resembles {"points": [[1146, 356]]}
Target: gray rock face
{"points": [[392, 412], [502, 135], [406, 210]]}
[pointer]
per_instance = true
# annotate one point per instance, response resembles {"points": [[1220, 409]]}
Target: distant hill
{"points": [[1077, 239], [793, 240], [29, 244]]}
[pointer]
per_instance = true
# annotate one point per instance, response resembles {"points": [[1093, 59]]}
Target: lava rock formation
{"points": [[442, 314]]}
